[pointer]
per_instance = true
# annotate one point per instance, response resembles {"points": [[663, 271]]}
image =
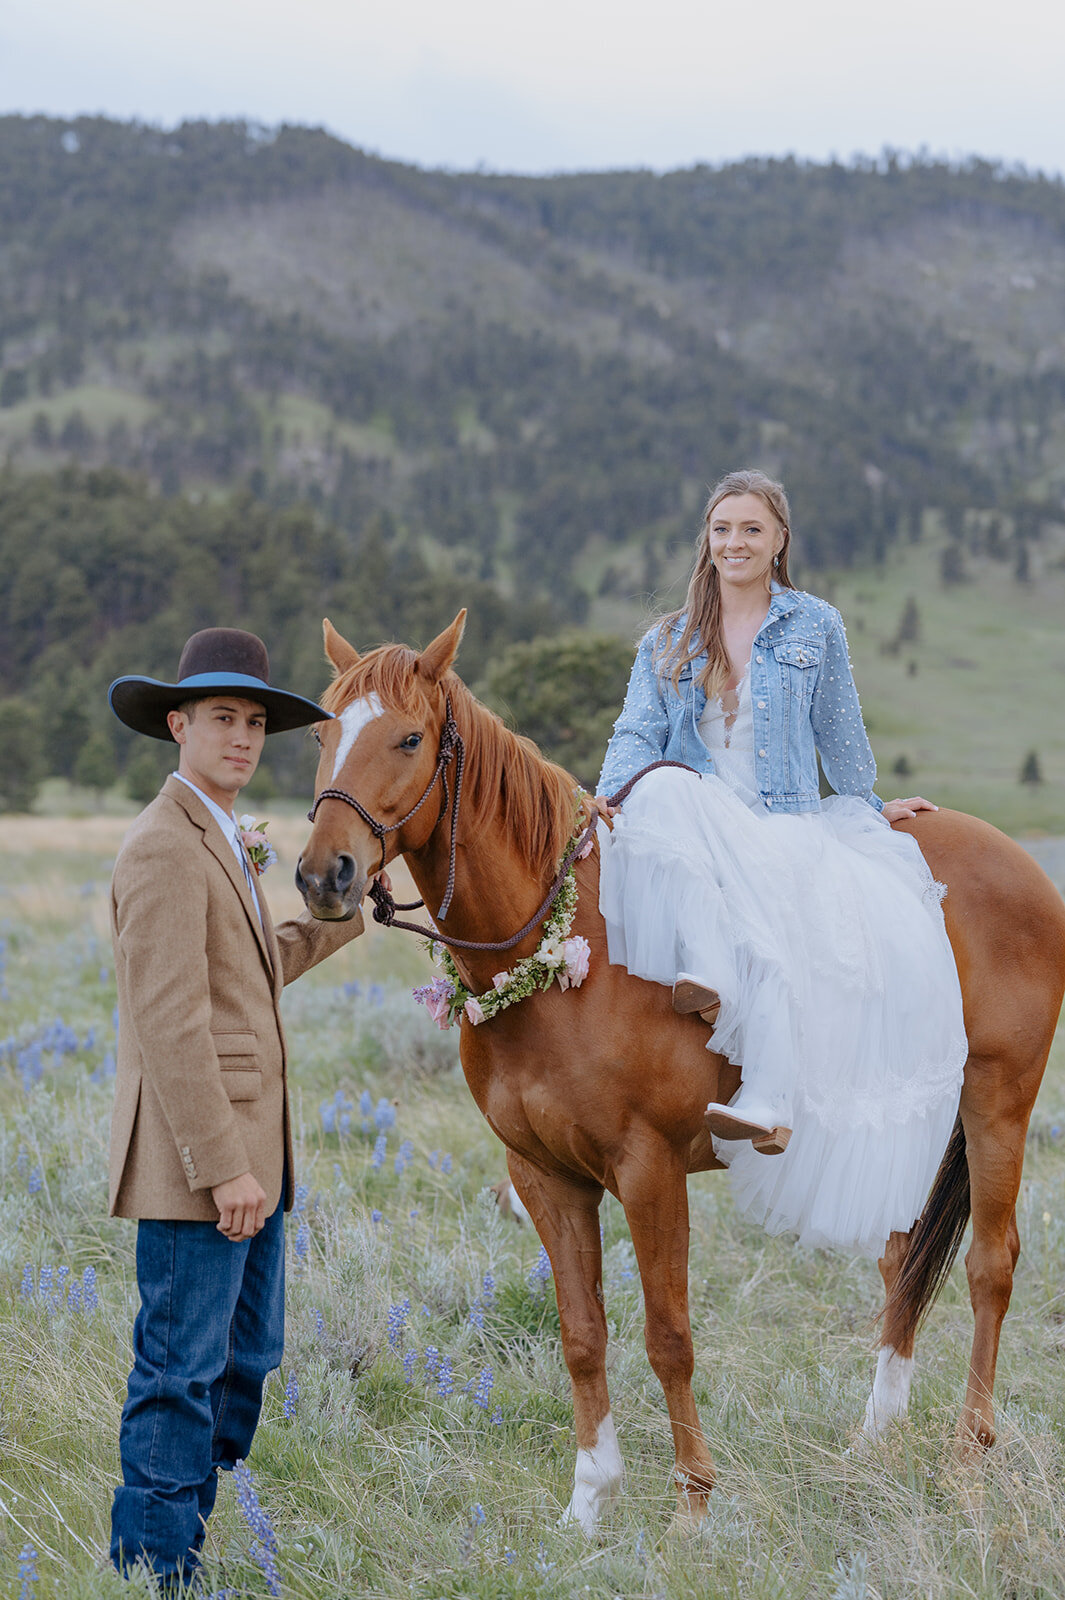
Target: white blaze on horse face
{"points": [[596, 1480], [890, 1398], [352, 720]]}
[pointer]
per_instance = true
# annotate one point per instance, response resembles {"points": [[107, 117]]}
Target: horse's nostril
{"points": [[345, 873], [300, 882]]}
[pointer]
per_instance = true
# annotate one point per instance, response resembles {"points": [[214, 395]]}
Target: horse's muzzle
{"points": [[332, 895]]}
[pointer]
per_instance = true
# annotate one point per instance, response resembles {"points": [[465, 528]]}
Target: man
{"points": [[201, 1147]]}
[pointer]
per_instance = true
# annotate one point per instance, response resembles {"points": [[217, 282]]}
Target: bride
{"points": [[807, 934]]}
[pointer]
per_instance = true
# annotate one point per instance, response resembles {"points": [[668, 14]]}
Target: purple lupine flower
{"points": [[26, 1290], [299, 1199], [366, 1103], [484, 1388], [264, 1540], [74, 1296], [445, 1381], [488, 1291], [303, 1242], [377, 1160], [431, 1359], [375, 1215], [478, 1516], [539, 1272], [497, 1417], [292, 1394], [397, 1321], [90, 1300], [445, 1162], [385, 1115], [404, 1155], [476, 1314], [410, 1361], [27, 1572]]}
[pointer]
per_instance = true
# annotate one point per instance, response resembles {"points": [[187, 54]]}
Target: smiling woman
{"points": [[808, 938]]}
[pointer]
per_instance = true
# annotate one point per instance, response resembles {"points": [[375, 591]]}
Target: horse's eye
{"points": [[411, 742], [316, 736]]}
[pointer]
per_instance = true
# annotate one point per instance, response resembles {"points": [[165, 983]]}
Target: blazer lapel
{"points": [[222, 850], [220, 847]]}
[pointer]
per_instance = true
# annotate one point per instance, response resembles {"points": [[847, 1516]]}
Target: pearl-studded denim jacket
{"points": [[803, 700]]}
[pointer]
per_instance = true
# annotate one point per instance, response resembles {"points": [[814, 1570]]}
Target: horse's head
{"points": [[381, 749]]}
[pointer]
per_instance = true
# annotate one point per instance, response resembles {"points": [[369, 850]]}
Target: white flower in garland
{"points": [[562, 957]]}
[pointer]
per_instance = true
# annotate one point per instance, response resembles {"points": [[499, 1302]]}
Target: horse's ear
{"points": [[438, 656], [342, 654]]}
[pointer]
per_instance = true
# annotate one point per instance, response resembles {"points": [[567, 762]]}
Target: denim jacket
{"points": [[803, 701]]}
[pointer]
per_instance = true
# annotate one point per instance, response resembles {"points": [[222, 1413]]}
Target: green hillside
{"points": [[260, 373]]}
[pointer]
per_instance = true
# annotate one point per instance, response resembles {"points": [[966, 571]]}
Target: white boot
{"points": [[761, 1118]]}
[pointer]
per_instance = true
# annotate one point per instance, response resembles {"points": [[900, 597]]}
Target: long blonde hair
{"points": [[701, 610]]}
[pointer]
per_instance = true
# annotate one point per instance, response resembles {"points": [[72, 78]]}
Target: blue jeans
{"points": [[210, 1327]]}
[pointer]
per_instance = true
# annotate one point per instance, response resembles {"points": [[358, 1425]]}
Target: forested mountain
{"points": [[427, 386]]}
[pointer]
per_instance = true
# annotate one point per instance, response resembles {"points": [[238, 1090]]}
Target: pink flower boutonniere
{"points": [[261, 852]]}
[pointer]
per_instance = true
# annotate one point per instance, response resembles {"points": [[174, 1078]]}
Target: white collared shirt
{"points": [[228, 824]]}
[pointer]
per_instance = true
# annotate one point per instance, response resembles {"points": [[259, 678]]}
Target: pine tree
{"points": [[1031, 771]]}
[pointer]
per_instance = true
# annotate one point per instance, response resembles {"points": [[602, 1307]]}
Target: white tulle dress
{"points": [[823, 934]]}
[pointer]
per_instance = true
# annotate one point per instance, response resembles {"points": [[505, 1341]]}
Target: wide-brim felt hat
{"points": [[215, 661]]}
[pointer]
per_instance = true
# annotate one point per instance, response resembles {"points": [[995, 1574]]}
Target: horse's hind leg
{"points": [[995, 1146], [565, 1212], [652, 1186], [890, 1397]]}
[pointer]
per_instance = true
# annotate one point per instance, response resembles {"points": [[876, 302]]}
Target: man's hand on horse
{"points": [[384, 880], [241, 1206], [903, 810]]}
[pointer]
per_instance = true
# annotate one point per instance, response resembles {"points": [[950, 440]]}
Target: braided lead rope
{"points": [[385, 907]]}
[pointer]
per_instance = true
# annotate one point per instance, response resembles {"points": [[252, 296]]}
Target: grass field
{"points": [[419, 1439]]}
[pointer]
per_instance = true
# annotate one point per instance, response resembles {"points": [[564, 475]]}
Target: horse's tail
{"points": [[934, 1242]]}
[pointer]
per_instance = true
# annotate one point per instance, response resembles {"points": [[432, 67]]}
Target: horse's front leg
{"points": [[565, 1212], [652, 1187]]}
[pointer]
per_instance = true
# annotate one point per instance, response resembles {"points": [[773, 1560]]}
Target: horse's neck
{"points": [[495, 894]]}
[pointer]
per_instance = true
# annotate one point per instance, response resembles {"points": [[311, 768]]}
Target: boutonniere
{"points": [[261, 852]]}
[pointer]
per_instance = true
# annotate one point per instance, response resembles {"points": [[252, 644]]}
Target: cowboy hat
{"points": [[215, 661]]}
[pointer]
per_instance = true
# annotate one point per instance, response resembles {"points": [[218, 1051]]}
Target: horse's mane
{"points": [[503, 769]]}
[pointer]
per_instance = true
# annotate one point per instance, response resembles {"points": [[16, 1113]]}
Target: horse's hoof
{"points": [[725, 1122], [690, 996]]}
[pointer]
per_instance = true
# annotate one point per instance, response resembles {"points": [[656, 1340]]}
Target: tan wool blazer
{"points": [[201, 1090]]}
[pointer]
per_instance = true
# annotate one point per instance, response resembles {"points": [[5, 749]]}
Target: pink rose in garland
{"points": [[577, 955], [473, 1011]]}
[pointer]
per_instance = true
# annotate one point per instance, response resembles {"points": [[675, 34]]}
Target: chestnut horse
{"points": [[603, 1087]]}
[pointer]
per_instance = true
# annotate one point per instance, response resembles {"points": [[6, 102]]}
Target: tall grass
{"points": [[419, 1436]]}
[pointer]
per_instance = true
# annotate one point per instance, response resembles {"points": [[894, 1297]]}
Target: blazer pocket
{"points": [[242, 1083], [231, 1047]]}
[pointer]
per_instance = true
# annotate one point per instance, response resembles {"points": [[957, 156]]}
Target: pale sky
{"points": [[564, 85]]}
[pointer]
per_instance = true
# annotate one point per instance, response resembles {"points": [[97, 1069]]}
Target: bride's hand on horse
{"points": [[903, 810], [604, 808]]}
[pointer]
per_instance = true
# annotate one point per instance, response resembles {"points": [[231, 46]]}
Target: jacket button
{"points": [[759, 660], [761, 705], [769, 802], [762, 754]]}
